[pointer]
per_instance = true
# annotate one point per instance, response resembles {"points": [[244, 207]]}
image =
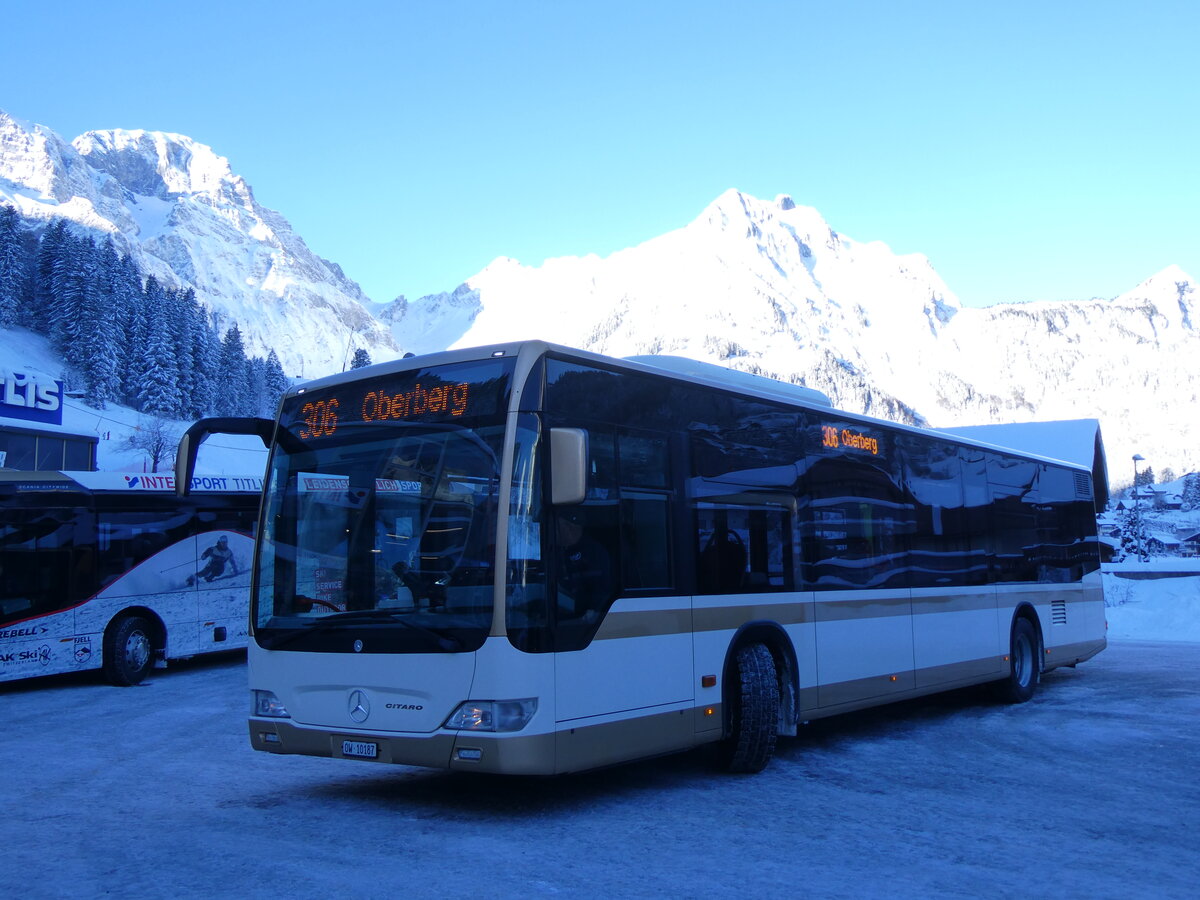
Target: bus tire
{"points": [[1024, 672], [755, 712], [128, 651]]}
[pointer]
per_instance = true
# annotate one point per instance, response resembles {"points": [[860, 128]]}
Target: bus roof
{"points": [[678, 369]]}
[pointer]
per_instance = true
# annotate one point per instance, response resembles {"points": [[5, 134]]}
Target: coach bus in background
{"points": [[113, 571], [531, 559]]}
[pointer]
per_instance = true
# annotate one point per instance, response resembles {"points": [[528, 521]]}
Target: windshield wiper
{"points": [[333, 621]]}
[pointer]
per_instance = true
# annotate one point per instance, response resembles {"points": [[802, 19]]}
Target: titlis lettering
{"points": [[832, 438], [417, 402], [23, 390]]}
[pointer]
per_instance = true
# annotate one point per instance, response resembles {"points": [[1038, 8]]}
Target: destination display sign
{"points": [[835, 438], [442, 394]]}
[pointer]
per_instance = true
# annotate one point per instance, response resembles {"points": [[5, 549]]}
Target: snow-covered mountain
{"points": [[770, 287], [177, 208], [764, 286]]}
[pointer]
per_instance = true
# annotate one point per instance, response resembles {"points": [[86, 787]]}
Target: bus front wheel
{"points": [[128, 651], [755, 711]]}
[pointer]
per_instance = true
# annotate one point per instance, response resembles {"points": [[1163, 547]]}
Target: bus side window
{"points": [[743, 550], [645, 477], [646, 539], [38, 553], [586, 566]]}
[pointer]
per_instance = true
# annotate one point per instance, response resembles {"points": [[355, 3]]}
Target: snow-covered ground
{"points": [[1088, 791]]}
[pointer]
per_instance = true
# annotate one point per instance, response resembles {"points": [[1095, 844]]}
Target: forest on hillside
{"points": [[126, 338]]}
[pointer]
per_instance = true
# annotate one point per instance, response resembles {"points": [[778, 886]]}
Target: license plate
{"points": [[361, 749]]}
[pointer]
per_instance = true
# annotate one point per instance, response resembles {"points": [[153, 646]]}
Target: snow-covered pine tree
{"points": [[122, 283], [256, 377], [361, 359], [1191, 492], [1135, 542], [205, 363], [180, 304], [45, 286], [73, 279], [277, 383], [233, 381], [12, 267], [158, 389], [137, 332], [99, 337]]}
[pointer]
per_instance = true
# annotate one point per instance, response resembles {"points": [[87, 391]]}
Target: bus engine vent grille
{"points": [[1083, 486], [1058, 612]]}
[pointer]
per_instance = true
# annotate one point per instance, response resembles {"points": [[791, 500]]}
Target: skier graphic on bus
{"points": [[219, 556]]}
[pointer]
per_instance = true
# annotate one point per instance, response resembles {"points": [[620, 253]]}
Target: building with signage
{"points": [[32, 435]]}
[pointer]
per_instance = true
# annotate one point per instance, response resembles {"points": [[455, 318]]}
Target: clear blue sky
{"points": [[1033, 150]]}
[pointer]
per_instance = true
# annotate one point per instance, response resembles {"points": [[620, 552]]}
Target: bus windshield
{"points": [[380, 530]]}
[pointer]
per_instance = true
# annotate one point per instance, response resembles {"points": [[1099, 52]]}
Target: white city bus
{"points": [[113, 571], [531, 559]]}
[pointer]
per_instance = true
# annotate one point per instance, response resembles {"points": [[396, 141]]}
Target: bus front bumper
{"points": [[508, 754]]}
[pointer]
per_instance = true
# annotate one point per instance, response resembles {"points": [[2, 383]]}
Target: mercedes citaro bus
{"points": [[531, 559]]}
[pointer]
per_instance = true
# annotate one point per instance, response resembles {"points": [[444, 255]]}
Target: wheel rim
{"points": [[1023, 660], [137, 650]]}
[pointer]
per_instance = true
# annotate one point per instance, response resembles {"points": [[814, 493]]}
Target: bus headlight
{"points": [[492, 715], [267, 705]]}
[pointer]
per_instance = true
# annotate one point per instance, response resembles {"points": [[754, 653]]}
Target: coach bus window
{"points": [[643, 461], [38, 553], [860, 515], [644, 465], [584, 572], [1063, 551], [527, 613], [742, 550], [128, 538], [1012, 483], [602, 463], [940, 548], [646, 540], [976, 515]]}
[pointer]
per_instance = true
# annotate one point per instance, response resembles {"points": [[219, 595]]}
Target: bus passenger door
{"points": [[624, 638]]}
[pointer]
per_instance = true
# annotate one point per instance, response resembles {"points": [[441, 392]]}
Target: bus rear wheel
{"points": [[755, 712], [1023, 669], [128, 651]]}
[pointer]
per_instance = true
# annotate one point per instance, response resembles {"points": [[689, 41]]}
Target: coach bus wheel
{"points": [[754, 699], [1023, 670], [128, 651]]}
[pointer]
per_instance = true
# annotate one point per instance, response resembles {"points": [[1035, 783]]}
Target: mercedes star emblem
{"points": [[360, 706]]}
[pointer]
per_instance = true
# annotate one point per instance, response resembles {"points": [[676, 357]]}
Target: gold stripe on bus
{"points": [[644, 623], [828, 607], [833, 606]]}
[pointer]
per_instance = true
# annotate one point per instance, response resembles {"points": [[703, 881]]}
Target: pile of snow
{"points": [[1162, 606]]}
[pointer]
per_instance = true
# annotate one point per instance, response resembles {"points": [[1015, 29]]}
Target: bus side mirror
{"points": [[189, 444], [568, 466]]}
